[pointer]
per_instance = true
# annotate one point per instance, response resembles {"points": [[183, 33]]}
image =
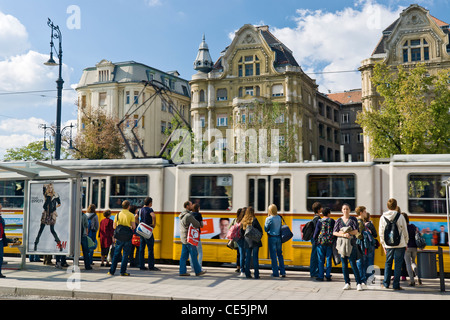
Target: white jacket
{"points": [[402, 227]]}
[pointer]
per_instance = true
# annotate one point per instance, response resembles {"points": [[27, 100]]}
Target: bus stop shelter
{"points": [[37, 176]]}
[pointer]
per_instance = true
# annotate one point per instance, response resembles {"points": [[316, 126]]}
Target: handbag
{"points": [[123, 233], [193, 236], [420, 241], [136, 240], [144, 230], [91, 243], [253, 234], [286, 233]]}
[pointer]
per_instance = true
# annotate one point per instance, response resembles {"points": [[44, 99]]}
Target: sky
{"points": [[324, 35]]}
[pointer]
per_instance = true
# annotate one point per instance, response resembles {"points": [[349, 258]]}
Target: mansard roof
{"points": [[283, 55], [381, 46]]}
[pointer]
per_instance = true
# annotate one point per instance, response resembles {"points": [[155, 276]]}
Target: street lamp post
{"points": [[56, 34], [53, 131]]}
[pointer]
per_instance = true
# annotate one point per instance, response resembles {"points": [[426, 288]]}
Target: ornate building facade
{"points": [[416, 36], [123, 90], [257, 69]]}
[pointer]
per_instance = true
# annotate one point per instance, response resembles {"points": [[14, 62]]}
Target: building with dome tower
{"points": [[258, 69]]}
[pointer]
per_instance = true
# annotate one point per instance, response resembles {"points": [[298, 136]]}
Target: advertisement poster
{"points": [[213, 228], [49, 221]]}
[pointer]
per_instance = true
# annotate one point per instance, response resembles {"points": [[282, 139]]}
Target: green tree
{"points": [[413, 116], [99, 138], [33, 151]]}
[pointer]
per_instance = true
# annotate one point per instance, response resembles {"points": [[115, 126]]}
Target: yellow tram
{"points": [[417, 182]]}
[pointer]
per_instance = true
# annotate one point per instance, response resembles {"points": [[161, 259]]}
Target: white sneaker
{"points": [[346, 287], [359, 287], [242, 275]]}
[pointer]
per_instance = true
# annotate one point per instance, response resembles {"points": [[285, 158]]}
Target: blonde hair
{"points": [[248, 217], [273, 210]]}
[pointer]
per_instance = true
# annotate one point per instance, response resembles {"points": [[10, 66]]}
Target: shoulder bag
{"points": [[122, 233]]}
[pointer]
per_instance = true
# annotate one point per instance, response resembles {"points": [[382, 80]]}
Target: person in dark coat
{"points": [[3, 241], [251, 246]]}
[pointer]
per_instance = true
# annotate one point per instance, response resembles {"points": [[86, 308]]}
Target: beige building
{"points": [[416, 36], [125, 90], [256, 69]]}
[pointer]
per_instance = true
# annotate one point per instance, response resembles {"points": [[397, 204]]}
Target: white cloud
{"points": [[23, 72], [337, 41], [13, 36]]}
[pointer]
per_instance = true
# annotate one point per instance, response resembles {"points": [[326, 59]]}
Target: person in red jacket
{"points": [[106, 236]]}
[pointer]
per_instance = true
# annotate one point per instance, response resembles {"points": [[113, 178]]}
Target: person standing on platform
{"points": [[314, 260], [345, 228], [272, 226], [394, 251], [124, 218], [3, 241], [147, 216], [186, 219]]}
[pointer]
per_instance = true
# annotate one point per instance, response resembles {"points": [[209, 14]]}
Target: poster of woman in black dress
{"points": [[49, 217], [51, 202]]}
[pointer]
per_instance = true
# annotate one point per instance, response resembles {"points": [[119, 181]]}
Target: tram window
{"points": [[12, 193], [426, 193], [331, 190], [261, 195], [84, 194], [212, 192], [133, 189], [98, 192]]}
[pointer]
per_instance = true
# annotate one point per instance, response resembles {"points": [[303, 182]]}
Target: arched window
{"points": [[202, 96]]}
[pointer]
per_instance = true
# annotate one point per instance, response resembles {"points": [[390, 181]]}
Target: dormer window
{"points": [[249, 65], [416, 50]]}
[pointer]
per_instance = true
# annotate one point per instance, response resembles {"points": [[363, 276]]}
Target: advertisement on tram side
{"points": [[213, 228], [49, 217]]}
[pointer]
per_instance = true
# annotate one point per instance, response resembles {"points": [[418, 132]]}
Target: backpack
{"points": [[308, 229], [392, 235], [420, 241], [326, 233], [234, 232]]}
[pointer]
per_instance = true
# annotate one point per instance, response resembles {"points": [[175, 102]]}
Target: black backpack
{"points": [[308, 229], [392, 235]]}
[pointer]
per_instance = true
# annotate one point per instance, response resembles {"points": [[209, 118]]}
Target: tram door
{"points": [[94, 192], [265, 190]]}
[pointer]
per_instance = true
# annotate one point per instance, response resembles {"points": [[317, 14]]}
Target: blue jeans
{"points": [[85, 249], [345, 270], [126, 246], [91, 251], [397, 255], [241, 249], [276, 252], [249, 254], [365, 262], [313, 263], [150, 243], [186, 251], [324, 252], [1, 255]]}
